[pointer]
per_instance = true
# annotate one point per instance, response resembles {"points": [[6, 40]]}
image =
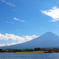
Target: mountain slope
{"points": [[46, 40]]}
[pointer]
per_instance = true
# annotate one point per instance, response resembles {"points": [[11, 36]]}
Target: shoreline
{"points": [[30, 52]]}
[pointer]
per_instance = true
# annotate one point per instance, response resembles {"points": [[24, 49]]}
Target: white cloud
{"points": [[8, 44], [10, 4], [11, 22], [53, 13], [18, 19], [7, 3], [16, 38]]}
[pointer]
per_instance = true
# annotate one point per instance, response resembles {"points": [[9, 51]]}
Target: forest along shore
{"points": [[35, 50]]}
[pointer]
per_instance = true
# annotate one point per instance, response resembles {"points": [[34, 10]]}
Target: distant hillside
{"points": [[46, 40]]}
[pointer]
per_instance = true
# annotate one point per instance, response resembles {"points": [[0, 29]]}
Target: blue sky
{"points": [[24, 20]]}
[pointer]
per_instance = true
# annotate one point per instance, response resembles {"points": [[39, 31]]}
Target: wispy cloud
{"points": [[7, 22], [18, 19], [11, 22], [14, 10], [7, 44], [15, 38], [8, 3], [53, 13]]}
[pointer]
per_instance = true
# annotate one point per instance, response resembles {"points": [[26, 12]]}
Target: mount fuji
{"points": [[46, 40]]}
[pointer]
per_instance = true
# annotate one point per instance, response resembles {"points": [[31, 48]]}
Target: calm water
{"points": [[29, 55]]}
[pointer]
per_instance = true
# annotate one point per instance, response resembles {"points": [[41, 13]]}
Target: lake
{"points": [[29, 55]]}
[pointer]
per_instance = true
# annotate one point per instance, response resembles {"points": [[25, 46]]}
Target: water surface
{"points": [[29, 55]]}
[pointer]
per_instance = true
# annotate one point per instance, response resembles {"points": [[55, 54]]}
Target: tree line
{"points": [[29, 50]]}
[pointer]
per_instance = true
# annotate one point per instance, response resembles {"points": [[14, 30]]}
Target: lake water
{"points": [[29, 55]]}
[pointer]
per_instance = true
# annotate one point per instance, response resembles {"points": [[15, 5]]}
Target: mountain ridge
{"points": [[46, 40]]}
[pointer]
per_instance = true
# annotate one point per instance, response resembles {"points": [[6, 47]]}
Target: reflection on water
{"points": [[29, 55]]}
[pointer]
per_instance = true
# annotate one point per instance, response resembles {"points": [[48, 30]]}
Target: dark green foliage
{"points": [[37, 49], [1, 50], [31, 49]]}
